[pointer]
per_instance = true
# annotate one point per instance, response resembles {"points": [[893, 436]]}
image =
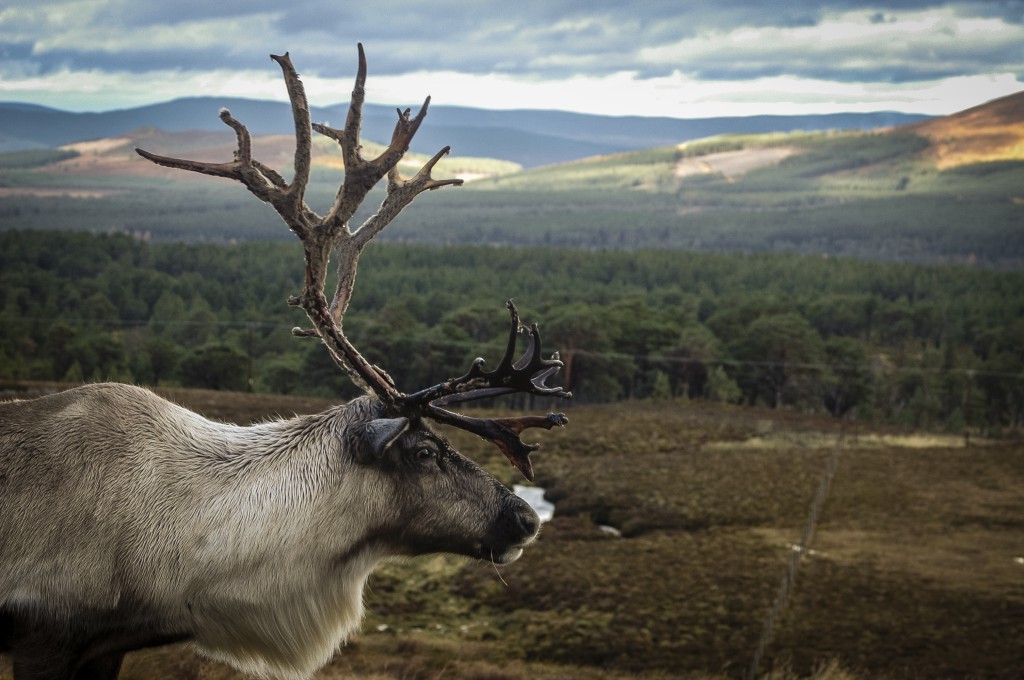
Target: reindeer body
{"points": [[128, 521]]}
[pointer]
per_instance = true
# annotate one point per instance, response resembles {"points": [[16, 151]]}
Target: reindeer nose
{"points": [[526, 519], [530, 522]]}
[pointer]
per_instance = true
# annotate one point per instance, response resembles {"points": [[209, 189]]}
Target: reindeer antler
{"points": [[527, 374], [322, 234]]}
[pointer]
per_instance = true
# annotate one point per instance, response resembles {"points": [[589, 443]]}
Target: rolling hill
{"points": [[948, 189], [983, 134], [527, 137], [990, 133], [115, 157]]}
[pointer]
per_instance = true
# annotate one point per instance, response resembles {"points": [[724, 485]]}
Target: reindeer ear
{"points": [[379, 434]]}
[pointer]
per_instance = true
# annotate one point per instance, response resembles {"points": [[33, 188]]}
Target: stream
{"points": [[534, 495]]}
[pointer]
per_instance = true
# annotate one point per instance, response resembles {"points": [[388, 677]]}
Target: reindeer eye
{"points": [[424, 454]]}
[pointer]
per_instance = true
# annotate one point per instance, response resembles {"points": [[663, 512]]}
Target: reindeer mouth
{"points": [[507, 556]]}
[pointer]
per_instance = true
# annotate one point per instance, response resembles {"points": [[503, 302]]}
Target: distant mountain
{"points": [[988, 133], [527, 137], [946, 189]]}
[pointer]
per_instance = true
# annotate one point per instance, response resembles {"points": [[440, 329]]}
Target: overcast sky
{"points": [[678, 58]]}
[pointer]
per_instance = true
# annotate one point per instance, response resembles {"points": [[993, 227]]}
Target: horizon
{"points": [[433, 106], [659, 59]]}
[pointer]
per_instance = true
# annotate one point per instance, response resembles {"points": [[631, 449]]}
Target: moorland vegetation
{"points": [[913, 572]]}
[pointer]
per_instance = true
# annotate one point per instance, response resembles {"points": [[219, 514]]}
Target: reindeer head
{"points": [[426, 497], [320, 235]]}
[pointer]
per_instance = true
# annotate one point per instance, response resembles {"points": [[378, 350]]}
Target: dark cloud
{"points": [[551, 38], [131, 14], [890, 62], [143, 61], [559, 38], [15, 50], [555, 38]]}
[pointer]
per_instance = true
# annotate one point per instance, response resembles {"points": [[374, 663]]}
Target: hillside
{"points": [[983, 134], [990, 133], [116, 156], [943, 190], [950, 188], [527, 137]]}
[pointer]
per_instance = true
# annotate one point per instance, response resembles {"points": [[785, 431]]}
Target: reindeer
{"points": [[127, 521]]}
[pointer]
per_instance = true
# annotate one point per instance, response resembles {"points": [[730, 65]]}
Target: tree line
{"points": [[928, 346]]}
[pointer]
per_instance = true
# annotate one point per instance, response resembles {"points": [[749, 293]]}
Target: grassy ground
{"points": [[916, 569]]}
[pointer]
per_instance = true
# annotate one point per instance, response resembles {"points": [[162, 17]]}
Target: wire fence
{"points": [[650, 358], [920, 390], [796, 555]]}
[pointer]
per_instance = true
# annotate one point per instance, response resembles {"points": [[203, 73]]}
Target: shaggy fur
{"points": [[127, 521]]}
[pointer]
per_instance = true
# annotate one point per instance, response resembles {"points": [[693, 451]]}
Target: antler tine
{"points": [[256, 177], [515, 328], [503, 432], [401, 193], [303, 136], [361, 175], [348, 137], [354, 119], [525, 375], [263, 182]]}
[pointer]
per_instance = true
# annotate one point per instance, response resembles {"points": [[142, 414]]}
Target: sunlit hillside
{"points": [[115, 156], [993, 132], [983, 134]]}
